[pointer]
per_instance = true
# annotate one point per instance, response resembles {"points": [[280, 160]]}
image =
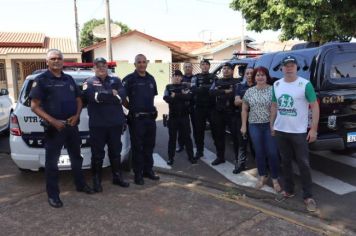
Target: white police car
{"points": [[5, 109], [26, 133]]}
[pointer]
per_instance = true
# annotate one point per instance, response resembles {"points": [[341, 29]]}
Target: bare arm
{"points": [[312, 134], [273, 116], [244, 116], [238, 101], [36, 108]]}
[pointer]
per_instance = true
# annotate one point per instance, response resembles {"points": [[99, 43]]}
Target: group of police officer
{"points": [[204, 98], [56, 98]]}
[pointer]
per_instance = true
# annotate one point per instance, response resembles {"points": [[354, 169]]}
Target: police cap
{"points": [[177, 73], [228, 64], [205, 61], [289, 59], [99, 60]]}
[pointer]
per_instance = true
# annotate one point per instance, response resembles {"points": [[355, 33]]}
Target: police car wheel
{"points": [[24, 170]]}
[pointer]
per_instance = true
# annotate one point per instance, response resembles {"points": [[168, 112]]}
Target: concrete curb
{"points": [[251, 198]]}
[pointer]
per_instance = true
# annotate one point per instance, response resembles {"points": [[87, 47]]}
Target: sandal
{"points": [[276, 185], [261, 182], [310, 204]]}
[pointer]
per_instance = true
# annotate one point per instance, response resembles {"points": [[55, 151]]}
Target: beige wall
{"points": [[10, 59], [226, 53], [127, 48]]}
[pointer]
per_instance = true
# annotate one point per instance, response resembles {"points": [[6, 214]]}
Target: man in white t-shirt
{"points": [[291, 99]]}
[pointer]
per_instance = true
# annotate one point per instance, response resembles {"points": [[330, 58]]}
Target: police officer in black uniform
{"points": [[141, 89], [55, 98], [203, 104], [224, 114], [178, 96], [241, 159], [187, 80], [104, 94]]}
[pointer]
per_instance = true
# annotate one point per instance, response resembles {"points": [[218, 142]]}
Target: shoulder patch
{"points": [[34, 84]]}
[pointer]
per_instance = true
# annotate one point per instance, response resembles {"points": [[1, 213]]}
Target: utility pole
{"points": [[108, 31], [243, 45], [76, 25]]}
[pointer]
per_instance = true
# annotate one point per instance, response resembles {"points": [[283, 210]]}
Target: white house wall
{"points": [[127, 48]]}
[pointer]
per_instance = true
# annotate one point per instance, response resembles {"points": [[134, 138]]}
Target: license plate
{"points": [[351, 137], [64, 160]]}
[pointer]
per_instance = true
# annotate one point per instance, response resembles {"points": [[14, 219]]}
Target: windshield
{"points": [[78, 76]]}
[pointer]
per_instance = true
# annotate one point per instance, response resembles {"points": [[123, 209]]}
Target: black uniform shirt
{"points": [[141, 91], [187, 79], [57, 94], [224, 101], [200, 86], [104, 109], [241, 89], [179, 105]]}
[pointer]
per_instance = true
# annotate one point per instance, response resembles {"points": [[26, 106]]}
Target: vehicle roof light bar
{"points": [[111, 64]]}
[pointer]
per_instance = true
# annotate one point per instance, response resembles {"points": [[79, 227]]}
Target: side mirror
{"points": [[4, 91]]}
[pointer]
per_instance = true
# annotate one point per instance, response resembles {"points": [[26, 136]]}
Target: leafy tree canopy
{"points": [[309, 20], [86, 34]]}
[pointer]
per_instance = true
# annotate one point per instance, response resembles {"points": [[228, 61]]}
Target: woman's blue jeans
{"points": [[266, 149]]}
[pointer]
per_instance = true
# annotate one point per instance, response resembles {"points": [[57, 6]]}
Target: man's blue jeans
{"points": [[265, 149]]}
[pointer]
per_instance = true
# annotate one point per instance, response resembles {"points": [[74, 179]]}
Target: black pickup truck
{"points": [[331, 68]]}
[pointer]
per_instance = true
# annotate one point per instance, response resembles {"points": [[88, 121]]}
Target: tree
{"points": [[310, 20], [86, 34]]}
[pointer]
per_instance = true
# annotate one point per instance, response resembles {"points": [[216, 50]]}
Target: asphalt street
{"points": [[334, 177]]}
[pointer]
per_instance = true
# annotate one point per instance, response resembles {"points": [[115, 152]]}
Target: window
{"points": [[343, 66]]}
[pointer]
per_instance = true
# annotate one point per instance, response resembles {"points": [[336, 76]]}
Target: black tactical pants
{"points": [[220, 121], [181, 125]]}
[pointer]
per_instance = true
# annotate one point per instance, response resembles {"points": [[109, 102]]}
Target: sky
{"points": [[182, 20]]}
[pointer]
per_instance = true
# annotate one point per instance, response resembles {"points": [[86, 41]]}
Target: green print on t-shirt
{"points": [[286, 105]]}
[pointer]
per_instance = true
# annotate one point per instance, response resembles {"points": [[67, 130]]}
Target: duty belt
{"points": [[179, 114], [145, 114]]}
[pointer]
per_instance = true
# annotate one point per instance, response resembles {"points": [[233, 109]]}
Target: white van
{"points": [[5, 109], [26, 133]]}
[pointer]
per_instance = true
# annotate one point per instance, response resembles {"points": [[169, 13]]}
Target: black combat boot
{"points": [[198, 155], [240, 161], [96, 170], [170, 161], [218, 161], [117, 178], [239, 168]]}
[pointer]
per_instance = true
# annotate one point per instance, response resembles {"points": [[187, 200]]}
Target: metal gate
{"points": [[3, 81], [196, 67], [23, 68]]}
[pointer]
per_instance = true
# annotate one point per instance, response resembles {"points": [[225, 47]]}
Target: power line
{"points": [[213, 2], [96, 9]]}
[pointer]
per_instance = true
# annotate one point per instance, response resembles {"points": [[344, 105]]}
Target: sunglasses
{"points": [[55, 58]]}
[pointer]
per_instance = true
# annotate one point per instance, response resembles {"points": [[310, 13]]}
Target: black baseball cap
{"points": [[99, 60], [289, 59], [177, 73], [205, 61], [228, 64]]}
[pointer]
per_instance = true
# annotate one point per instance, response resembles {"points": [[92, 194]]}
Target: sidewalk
{"points": [[172, 206]]}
